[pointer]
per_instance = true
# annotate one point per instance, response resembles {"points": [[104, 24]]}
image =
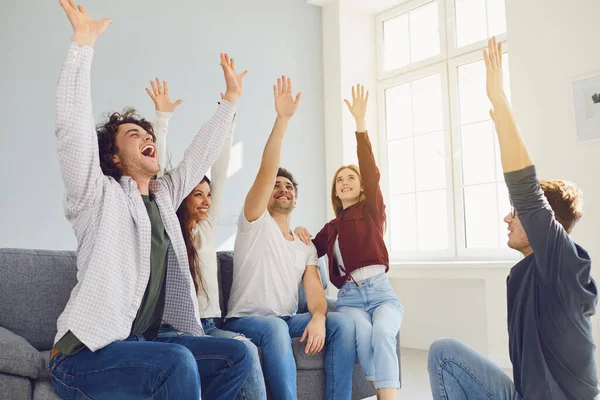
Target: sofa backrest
{"points": [[35, 286]]}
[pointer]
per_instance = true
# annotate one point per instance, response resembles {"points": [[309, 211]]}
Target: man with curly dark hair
{"points": [[131, 327]]}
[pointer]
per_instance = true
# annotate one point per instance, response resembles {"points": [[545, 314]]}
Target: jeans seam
{"points": [[443, 387], [216, 380], [58, 381]]}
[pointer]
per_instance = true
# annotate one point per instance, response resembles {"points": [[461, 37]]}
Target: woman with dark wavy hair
{"points": [[198, 216]]}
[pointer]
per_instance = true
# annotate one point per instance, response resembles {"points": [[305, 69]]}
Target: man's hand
{"points": [[303, 234], [493, 66], [233, 81], [358, 108], [285, 105], [315, 333], [160, 96], [85, 29]]}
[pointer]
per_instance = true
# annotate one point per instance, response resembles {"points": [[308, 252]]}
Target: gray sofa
{"points": [[34, 288]]}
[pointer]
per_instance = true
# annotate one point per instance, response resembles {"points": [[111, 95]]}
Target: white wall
{"points": [[550, 45], [177, 41]]}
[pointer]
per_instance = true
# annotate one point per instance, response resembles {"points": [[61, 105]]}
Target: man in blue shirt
{"points": [[551, 295]]}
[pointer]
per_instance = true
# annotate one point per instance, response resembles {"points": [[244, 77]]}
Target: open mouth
{"points": [[149, 151], [202, 210], [346, 190], [282, 198]]}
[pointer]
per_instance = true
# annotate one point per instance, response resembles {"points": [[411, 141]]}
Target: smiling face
{"points": [[198, 202], [283, 198], [136, 153], [347, 186]]}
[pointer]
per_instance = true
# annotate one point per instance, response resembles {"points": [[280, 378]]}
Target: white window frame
{"points": [[447, 63], [440, 68]]}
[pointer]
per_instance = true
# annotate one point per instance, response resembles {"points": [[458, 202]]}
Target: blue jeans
{"points": [[459, 372], [274, 335], [254, 387], [172, 366], [377, 313]]}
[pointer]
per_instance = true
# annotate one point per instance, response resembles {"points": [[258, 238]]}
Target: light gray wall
{"points": [[179, 41]]}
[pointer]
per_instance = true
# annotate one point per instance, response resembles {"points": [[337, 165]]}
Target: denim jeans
{"points": [[254, 387], [377, 313], [274, 335], [459, 372], [172, 366]]}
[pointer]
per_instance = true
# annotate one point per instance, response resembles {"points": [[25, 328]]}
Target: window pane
{"points": [[503, 210], [430, 161], [471, 23], [424, 32], [477, 141], [398, 112], [473, 101], [499, 171], [403, 223], [396, 45], [432, 217], [427, 104], [496, 13], [481, 216], [401, 166]]}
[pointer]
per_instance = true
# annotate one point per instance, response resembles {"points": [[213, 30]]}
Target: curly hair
{"points": [[107, 134]]}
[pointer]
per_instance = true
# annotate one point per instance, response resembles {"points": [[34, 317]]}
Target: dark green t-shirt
{"points": [[149, 315]]}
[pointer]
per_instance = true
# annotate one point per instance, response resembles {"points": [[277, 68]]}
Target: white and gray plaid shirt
{"points": [[111, 222]]}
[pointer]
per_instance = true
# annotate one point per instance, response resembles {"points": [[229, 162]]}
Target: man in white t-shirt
{"points": [[270, 263]]}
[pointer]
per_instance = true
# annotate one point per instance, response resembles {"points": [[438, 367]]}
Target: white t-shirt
{"points": [[267, 269]]}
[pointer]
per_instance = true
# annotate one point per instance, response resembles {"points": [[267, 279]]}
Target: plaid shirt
{"points": [[111, 222]]}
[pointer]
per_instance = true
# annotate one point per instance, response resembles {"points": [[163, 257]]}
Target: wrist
{"points": [[499, 100], [361, 125], [231, 97], [282, 119], [319, 316], [84, 39]]}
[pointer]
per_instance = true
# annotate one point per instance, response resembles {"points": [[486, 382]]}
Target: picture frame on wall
{"points": [[586, 97]]}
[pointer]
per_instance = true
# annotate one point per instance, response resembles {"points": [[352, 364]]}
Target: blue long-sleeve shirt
{"points": [[551, 297]]}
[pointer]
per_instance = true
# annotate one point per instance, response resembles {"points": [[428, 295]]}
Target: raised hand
{"points": [[233, 81], [85, 28], [160, 96], [285, 104], [493, 65], [303, 234], [358, 108]]}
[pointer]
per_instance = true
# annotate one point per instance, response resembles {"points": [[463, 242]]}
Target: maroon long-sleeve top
{"points": [[360, 227]]}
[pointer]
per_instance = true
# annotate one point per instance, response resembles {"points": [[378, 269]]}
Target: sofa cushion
{"points": [[15, 387], [43, 390], [35, 286], [17, 357]]}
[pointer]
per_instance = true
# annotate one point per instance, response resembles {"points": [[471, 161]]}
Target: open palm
{"points": [[160, 96], [285, 104], [360, 98]]}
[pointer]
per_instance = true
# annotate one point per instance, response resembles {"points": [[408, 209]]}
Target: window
{"points": [[442, 174]]}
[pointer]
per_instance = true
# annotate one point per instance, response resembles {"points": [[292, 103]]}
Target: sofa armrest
{"points": [[18, 357]]}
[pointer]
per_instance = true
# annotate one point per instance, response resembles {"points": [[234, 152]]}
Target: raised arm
{"points": [[285, 106], [366, 159], [164, 110], [207, 144], [513, 152], [75, 130], [218, 175]]}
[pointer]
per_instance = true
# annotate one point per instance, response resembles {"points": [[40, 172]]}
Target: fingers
{"points": [[367, 97], [321, 344], [298, 96], [279, 86], [222, 96], [159, 86], [486, 58], [275, 91], [353, 94], [347, 103], [72, 4], [500, 53], [150, 93], [283, 84], [166, 87], [154, 88], [310, 346], [492, 52], [289, 85], [493, 115], [243, 74], [232, 64], [82, 10], [177, 103], [304, 335]]}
